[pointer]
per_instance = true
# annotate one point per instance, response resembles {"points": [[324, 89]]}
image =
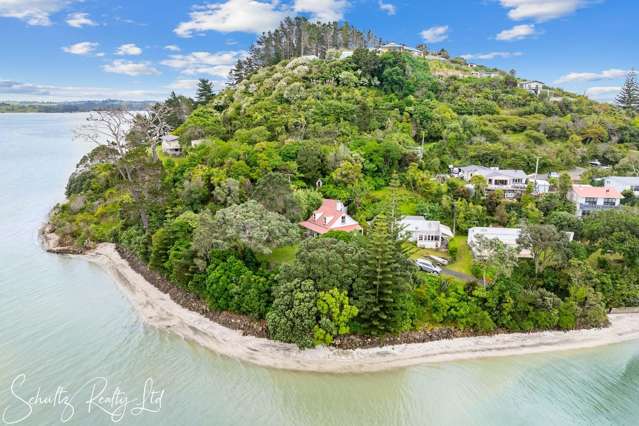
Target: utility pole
{"points": [[536, 175]]}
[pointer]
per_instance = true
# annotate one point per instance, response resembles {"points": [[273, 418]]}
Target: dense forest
{"points": [[378, 132], [75, 106]]}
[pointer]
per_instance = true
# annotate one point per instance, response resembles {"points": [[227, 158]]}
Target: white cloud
{"points": [[605, 94], [83, 48], [19, 91], [33, 12], [387, 7], [518, 32], [542, 10], [249, 16], [217, 64], [491, 55], [609, 74], [79, 20], [129, 49], [183, 85], [322, 10], [130, 68], [435, 34], [172, 48]]}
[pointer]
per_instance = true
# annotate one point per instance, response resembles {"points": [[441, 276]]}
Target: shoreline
{"points": [[157, 309]]}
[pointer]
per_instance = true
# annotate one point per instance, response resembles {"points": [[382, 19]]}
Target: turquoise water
{"points": [[64, 323]]}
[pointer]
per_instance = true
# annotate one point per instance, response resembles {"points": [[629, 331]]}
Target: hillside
{"points": [[376, 131]]}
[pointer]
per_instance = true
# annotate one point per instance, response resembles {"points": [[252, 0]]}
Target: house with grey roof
{"points": [[512, 182], [171, 145], [623, 183], [425, 233]]}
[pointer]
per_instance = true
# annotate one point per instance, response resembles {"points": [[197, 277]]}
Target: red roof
{"points": [[588, 191], [327, 216]]}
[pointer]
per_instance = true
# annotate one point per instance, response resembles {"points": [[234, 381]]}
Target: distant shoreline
{"points": [[157, 309]]}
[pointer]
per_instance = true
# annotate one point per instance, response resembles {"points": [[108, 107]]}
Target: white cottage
{"points": [[623, 183], [588, 198], [425, 233]]}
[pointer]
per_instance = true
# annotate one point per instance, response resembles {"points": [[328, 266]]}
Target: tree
{"points": [[311, 162], [548, 246], [328, 262], [204, 91], [335, 314], [293, 316], [495, 258], [243, 226], [273, 191], [628, 97], [385, 279]]}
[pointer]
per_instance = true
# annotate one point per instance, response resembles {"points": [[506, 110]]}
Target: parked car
{"points": [[428, 266], [439, 260]]}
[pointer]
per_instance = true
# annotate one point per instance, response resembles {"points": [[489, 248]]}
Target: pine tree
{"points": [[379, 296], [628, 97], [204, 91]]}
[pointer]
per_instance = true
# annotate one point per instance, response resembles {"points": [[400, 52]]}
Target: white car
{"points": [[439, 260], [428, 266]]}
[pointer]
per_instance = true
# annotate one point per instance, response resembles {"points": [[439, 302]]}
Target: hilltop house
{"points": [[331, 216], [171, 145], [394, 47], [508, 236], [623, 183], [588, 198], [534, 87], [512, 182], [425, 233]]}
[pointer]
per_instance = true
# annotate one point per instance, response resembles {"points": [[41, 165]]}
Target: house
{"points": [[331, 216], [345, 54], [541, 183], [512, 182], [171, 145], [508, 236], [534, 87], [394, 47], [623, 183], [588, 198], [425, 233]]}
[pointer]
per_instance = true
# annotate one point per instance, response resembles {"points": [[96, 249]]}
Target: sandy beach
{"points": [[158, 310]]}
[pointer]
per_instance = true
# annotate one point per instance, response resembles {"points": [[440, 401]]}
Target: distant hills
{"points": [[74, 106]]}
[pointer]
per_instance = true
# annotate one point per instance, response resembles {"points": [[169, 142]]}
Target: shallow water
{"points": [[64, 323]]}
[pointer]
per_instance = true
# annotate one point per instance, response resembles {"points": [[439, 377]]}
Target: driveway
{"points": [[459, 275]]}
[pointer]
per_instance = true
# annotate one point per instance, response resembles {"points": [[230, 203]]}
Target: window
{"points": [[591, 201], [420, 237], [611, 202], [635, 188], [501, 182], [343, 220]]}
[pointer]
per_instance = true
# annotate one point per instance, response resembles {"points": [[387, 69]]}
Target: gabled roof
{"points": [[589, 191], [329, 218], [169, 138]]}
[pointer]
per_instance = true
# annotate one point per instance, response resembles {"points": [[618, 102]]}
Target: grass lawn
{"points": [[281, 255], [464, 256], [464, 260]]}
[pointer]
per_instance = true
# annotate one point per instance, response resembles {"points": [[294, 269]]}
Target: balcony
{"points": [[595, 207]]}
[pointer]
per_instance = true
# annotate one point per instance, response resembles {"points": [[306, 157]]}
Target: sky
{"points": [[60, 50]]}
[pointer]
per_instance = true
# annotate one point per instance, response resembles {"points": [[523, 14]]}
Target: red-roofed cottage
{"points": [[331, 216], [590, 198]]}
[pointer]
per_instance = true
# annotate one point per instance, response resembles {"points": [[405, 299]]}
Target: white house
{"points": [[171, 145], [331, 216], [534, 87], [623, 183], [512, 182], [541, 185], [345, 54], [508, 236], [394, 47], [588, 198], [425, 233]]}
